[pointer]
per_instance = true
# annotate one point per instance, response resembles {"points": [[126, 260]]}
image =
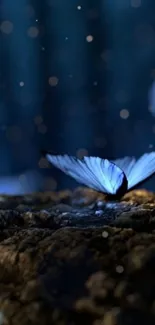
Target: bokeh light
{"points": [[6, 27], [81, 153], [136, 3], [21, 84], [89, 38], [30, 11], [33, 32], [38, 120], [53, 81], [124, 113], [43, 163]]}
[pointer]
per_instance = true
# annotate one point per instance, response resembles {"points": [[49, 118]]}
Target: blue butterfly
{"points": [[113, 178]]}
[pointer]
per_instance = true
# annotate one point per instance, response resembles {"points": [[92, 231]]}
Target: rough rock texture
{"points": [[73, 258]]}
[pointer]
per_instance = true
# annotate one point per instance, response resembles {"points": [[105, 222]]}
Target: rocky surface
{"points": [[73, 259]]}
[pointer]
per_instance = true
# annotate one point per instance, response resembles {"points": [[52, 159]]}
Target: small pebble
{"points": [[64, 214], [98, 212], [100, 204]]}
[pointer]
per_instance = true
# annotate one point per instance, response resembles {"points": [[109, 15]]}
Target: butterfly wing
{"points": [[94, 172], [126, 164], [143, 168], [137, 171]]}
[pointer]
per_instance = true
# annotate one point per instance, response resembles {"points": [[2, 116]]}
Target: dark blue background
{"points": [[70, 71]]}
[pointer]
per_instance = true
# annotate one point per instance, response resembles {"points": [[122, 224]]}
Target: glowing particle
{"points": [[105, 234], [124, 113], [21, 84], [79, 7], [33, 32], [36, 20], [43, 49], [53, 81], [119, 269], [6, 27], [89, 38], [66, 38], [95, 83], [136, 3]]}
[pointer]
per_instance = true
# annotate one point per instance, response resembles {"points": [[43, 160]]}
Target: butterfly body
{"points": [[120, 191], [113, 178]]}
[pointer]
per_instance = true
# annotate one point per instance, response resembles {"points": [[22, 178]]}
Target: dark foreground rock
{"points": [[72, 258]]}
